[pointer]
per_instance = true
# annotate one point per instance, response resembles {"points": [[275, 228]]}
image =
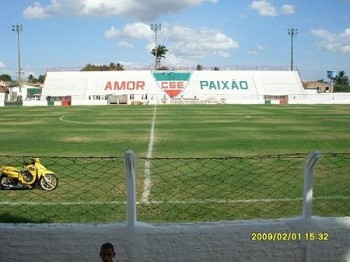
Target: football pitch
{"points": [[194, 162], [180, 131]]}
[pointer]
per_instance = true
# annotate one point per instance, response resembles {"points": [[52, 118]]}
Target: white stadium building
{"points": [[180, 87]]}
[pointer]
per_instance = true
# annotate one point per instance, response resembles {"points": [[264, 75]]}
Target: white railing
{"points": [[188, 68], [308, 184], [130, 160]]}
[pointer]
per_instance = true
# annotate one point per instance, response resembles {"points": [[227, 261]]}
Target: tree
{"points": [[161, 52], [111, 67], [119, 67], [342, 79], [163, 68], [341, 82], [5, 78], [199, 67], [32, 79], [41, 78], [89, 67]]}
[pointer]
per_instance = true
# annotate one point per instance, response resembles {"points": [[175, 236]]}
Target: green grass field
{"points": [[231, 142], [180, 131]]}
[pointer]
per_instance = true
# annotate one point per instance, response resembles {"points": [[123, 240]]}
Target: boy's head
{"points": [[107, 252]]}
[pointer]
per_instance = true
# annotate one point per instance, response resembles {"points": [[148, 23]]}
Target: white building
{"points": [[242, 87]]}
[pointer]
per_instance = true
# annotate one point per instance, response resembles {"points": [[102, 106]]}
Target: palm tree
{"points": [[111, 67], [89, 67], [341, 82], [342, 79], [42, 78], [160, 53], [31, 79], [119, 67], [199, 67]]}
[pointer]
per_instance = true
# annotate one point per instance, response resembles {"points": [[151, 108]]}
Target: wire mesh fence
{"points": [[89, 190], [216, 189], [93, 189], [332, 185]]}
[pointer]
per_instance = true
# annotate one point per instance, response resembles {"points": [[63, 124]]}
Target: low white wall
{"points": [[88, 102], [34, 103], [229, 241], [2, 99], [245, 100], [323, 98]]}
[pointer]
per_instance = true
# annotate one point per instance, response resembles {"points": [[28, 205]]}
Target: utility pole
{"points": [[18, 29], [292, 32], [156, 28]]}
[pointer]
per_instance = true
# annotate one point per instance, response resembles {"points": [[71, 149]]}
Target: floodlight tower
{"points": [[292, 32], [18, 29], [156, 28]]}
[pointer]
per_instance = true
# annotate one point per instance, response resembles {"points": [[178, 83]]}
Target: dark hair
{"points": [[107, 246]]}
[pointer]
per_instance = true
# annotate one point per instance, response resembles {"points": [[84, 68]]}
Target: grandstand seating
{"points": [[246, 87]]}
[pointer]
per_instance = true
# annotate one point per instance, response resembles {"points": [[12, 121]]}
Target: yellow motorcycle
{"points": [[33, 175]]}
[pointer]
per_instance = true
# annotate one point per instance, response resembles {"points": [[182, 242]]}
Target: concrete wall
{"points": [[76, 102], [2, 99], [229, 241], [322, 98], [160, 84], [230, 87], [34, 103]]}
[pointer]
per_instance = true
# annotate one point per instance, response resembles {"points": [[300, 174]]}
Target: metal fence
{"points": [[187, 68], [90, 189], [158, 190], [331, 185]]}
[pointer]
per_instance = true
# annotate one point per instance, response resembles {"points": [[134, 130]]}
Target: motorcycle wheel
{"points": [[49, 182], [4, 180]]}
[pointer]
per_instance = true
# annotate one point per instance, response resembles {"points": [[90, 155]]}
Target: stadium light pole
{"points": [[156, 28], [18, 29], [292, 32]]}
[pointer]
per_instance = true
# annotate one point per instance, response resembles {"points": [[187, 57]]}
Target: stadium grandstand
{"points": [[260, 85], [164, 87]]}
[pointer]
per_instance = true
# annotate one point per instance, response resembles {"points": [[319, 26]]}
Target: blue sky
{"points": [[67, 33]]}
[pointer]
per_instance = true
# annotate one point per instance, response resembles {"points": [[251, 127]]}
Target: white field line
{"points": [[204, 201], [147, 183], [75, 122]]}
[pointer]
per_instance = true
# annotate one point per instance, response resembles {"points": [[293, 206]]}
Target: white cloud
{"points": [[2, 65], [140, 9], [184, 43], [346, 34], [333, 42], [125, 44], [111, 33], [138, 31], [199, 42], [256, 50], [337, 47], [265, 8], [221, 53], [288, 9], [260, 47], [35, 11], [324, 34]]}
